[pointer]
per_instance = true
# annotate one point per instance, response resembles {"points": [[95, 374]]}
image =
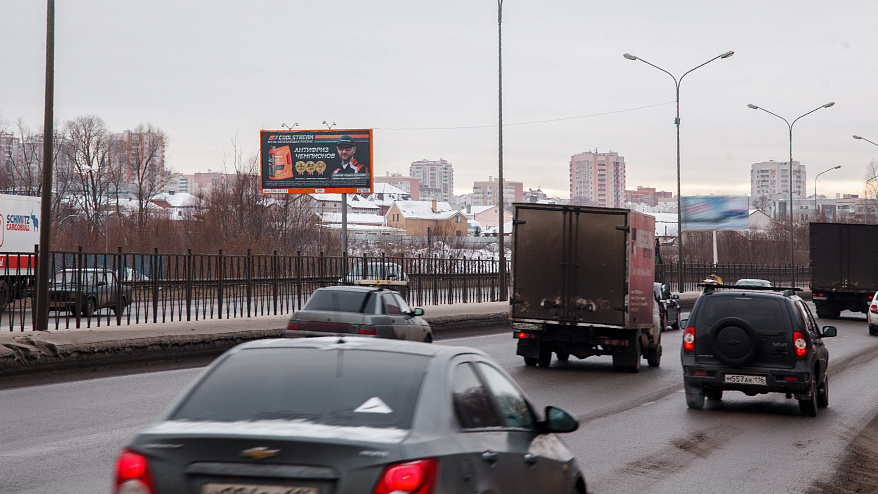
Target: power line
{"points": [[528, 123]]}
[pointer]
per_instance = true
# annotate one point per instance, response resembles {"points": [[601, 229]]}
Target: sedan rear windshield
{"points": [[765, 314], [338, 300], [339, 387]]}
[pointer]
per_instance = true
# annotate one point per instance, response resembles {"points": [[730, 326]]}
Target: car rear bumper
{"points": [[776, 380], [298, 333]]}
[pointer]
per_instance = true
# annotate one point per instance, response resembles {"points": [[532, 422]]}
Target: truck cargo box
{"points": [[583, 265]]}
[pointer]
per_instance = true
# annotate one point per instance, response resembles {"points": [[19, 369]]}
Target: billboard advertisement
{"points": [[715, 213], [316, 161]]}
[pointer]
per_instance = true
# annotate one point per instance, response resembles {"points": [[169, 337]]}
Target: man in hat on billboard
{"points": [[346, 148]]}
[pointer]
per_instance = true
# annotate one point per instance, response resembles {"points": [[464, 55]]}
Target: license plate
{"points": [[739, 379], [256, 489]]}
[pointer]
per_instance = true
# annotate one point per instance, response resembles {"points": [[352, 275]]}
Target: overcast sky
{"points": [[424, 76]]}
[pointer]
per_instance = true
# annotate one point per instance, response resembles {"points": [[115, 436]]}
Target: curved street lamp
{"points": [[500, 186], [867, 140], [790, 125], [815, 186], [867, 195], [677, 123]]}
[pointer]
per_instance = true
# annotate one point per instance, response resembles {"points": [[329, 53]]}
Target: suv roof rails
{"points": [[713, 286]]}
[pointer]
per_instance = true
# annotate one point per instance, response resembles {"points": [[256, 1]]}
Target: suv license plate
{"points": [[260, 489], [739, 379]]}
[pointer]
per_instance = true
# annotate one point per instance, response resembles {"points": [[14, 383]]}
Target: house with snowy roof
{"points": [[418, 218]]}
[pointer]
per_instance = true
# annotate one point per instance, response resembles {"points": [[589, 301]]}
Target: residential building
{"points": [[487, 193], [488, 216], [436, 179], [410, 185], [646, 195], [422, 218], [771, 177], [204, 182], [140, 157], [597, 179], [180, 184], [384, 195]]}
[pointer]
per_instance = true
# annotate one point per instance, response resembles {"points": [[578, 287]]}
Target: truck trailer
{"points": [[582, 285], [19, 238], [844, 267]]}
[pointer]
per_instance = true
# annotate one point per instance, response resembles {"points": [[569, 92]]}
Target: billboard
{"points": [[315, 161], [715, 213]]}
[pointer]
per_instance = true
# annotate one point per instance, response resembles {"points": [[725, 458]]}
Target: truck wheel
{"points": [[530, 361], [545, 358], [562, 356], [654, 356], [694, 397], [873, 330], [119, 310]]}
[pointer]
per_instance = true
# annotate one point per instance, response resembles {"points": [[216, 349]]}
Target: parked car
{"points": [[872, 315], [352, 415], [363, 310], [755, 340], [91, 288], [752, 282], [669, 308]]}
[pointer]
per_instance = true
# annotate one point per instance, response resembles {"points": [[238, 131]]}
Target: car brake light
{"points": [[415, 477], [800, 344], [873, 309], [524, 336], [293, 325], [367, 330], [689, 339], [132, 474]]}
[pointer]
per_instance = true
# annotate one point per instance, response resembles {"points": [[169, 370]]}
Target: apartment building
{"points": [[140, 156], [647, 195], [436, 179], [487, 193], [597, 179], [773, 177], [411, 185]]}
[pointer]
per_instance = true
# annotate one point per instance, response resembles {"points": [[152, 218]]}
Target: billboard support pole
{"points": [[344, 223]]}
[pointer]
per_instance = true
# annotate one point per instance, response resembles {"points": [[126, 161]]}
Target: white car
{"points": [[872, 315]]}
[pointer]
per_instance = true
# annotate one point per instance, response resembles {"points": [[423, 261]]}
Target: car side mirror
{"points": [[675, 296], [558, 420], [684, 322], [829, 331], [418, 311]]}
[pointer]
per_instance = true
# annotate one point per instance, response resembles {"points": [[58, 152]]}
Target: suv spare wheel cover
{"points": [[734, 340]]}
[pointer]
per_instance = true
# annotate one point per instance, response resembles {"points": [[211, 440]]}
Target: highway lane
{"points": [[636, 433]]}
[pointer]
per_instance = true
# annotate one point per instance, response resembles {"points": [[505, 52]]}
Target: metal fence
{"points": [[192, 287]]}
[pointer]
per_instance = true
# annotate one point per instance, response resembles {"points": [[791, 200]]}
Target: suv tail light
{"points": [[132, 474], [800, 344], [414, 477], [689, 339]]}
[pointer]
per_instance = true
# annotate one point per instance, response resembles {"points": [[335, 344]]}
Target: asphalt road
{"points": [[636, 433]]}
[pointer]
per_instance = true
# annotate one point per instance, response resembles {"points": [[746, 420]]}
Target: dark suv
{"points": [[755, 340]]}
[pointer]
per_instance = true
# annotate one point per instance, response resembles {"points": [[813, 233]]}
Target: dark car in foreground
{"points": [[359, 310], [87, 290], [755, 340], [352, 415]]}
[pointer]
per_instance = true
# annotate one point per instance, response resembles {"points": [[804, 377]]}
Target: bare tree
{"points": [[141, 158], [87, 149], [871, 179]]}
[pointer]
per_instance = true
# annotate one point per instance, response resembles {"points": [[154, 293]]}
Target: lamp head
{"points": [[629, 56], [752, 106], [827, 105], [836, 167], [857, 137], [727, 54]]}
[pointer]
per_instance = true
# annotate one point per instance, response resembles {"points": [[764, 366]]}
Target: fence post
{"points": [[155, 284], [248, 270], [275, 274], [220, 272], [298, 279], [119, 269], [189, 268]]}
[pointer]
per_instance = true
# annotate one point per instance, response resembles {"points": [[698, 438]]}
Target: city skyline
{"points": [[424, 77]]}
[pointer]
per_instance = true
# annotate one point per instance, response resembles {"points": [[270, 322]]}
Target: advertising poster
{"points": [[711, 213], [316, 161]]}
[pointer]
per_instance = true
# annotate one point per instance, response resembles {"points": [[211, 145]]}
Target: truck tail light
{"points": [[132, 474], [413, 477], [689, 339], [800, 344]]}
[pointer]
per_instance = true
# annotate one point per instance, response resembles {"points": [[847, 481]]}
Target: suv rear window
{"points": [[340, 387], [338, 300], [764, 313]]}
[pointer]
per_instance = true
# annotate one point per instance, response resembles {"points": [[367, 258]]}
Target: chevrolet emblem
{"points": [[259, 453]]}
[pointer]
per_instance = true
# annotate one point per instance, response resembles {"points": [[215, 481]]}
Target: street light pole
{"points": [[866, 209], [815, 187], [677, 123], [790, 126], [501, 241]]}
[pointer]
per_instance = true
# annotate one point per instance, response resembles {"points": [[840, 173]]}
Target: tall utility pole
{"points": [[501, 240], [41, 307]]}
